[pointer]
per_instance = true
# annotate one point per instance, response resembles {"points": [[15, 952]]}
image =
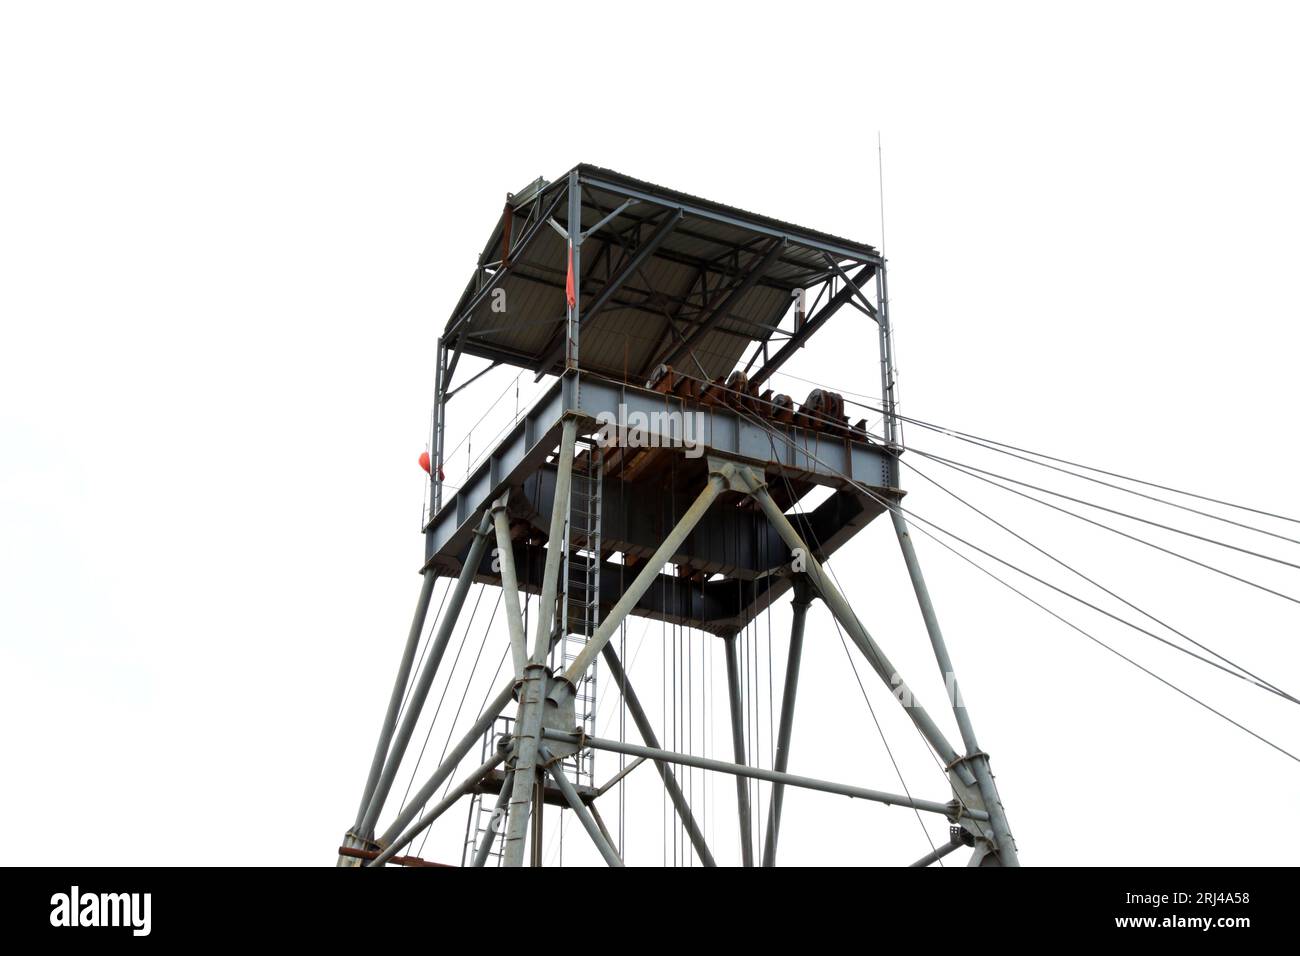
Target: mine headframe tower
{"points": [[642, 302]]}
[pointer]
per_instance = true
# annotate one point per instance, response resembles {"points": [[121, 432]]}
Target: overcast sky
{"points": [[230, 234]]}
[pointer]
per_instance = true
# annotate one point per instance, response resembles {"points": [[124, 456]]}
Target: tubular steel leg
{"points": [[448, 766], [619, 676], [580, 810], [421, 689], [399, 689], [539, 805], [938, 853], [738, 745], [600, 822], [494, 822], [510, 585], [844, 614], [528, 721], [527, 727], [978, 760], [802, 600], [555, 541]]}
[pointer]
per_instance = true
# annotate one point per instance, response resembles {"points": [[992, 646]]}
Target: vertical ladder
{"points": [[483, 805], [580, 602]]}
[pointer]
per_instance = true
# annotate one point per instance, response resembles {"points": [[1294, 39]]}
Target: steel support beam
{"points": [[712, 213], [528, 721], [719, 480], [738, 747], [536, 819], [463, 315], [436, 440], [399, 690], [976, 758], [720, 313], [938, 853], [579, 809], [448, 766], [643, 252], [443, 805], [555, 541], [420, 691], [949, 810], [801, 603], [528, 724], [510, 585], [811, 325], [754, 484], [643, 726], [886, 334], [573, 312], [608, 785]]}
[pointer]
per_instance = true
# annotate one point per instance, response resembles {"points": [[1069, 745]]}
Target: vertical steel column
{"points": [[527, 727], [555, 541], [395, 699], [887, 391], [528, 721], [738, 745], [573, 313], [802, 600], [439, 425], [978, 760], [510, 585], [421, 689], [642, 721], [537, 818]]}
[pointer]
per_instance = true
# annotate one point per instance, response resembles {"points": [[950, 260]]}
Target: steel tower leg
{"points": [[510, 585], [738, 746], [394, 701], [844, 614], [528, 722], [978, 760], [421, 689], [537, 819], [642, 721], [802, 600]]}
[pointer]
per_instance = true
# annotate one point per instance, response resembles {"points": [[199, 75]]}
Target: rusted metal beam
{"points": [[359, 854]]}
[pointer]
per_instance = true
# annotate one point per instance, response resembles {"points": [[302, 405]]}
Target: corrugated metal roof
{"points": [[671, 297]]}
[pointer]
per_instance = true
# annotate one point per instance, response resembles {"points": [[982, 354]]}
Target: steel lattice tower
{"points": [[643, 301]]}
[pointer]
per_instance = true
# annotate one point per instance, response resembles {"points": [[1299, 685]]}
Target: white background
{"points": [[229, 235]]}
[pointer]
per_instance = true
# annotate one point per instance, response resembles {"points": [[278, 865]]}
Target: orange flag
{"points": [[569, 292]]}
